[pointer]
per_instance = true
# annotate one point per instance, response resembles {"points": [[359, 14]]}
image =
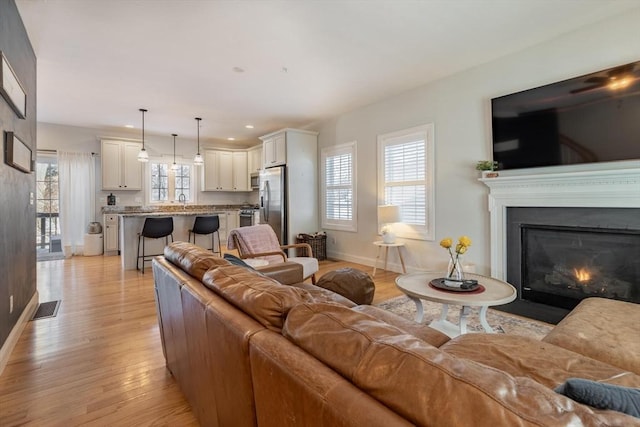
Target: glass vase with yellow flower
{"points": [[455, 272]]}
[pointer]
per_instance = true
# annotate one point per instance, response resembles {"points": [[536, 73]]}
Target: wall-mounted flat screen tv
{"points": [[588, 119]]}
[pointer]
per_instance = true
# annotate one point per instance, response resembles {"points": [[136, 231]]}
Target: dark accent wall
{"points": [[17, 215]]}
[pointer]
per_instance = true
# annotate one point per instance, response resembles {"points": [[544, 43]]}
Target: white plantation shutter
{"points": [[404, 167], [338, 169], [405, 170]]}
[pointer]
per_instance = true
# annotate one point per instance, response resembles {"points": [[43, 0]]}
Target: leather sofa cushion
{"points": [[424, 332], [192, 259], [424, 384], [262, 298], [321, 294], [546, 363], [613, 338]]}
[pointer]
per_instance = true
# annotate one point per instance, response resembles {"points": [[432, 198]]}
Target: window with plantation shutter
{"points": [[339, 193], [405, 179]]}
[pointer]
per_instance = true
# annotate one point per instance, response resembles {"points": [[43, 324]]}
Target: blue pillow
{"points": [[602, 396], [236, 261]]}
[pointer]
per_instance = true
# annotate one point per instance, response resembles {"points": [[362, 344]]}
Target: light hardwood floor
{"points": [[99, 361]]}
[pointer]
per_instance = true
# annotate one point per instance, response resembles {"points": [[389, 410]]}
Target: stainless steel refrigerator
{"points": [[273, 201]]}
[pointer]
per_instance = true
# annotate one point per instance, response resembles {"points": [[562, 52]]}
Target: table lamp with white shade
{"points": [[387, 216]]}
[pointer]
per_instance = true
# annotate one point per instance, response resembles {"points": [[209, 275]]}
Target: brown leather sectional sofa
{"points": [[247, 350]]}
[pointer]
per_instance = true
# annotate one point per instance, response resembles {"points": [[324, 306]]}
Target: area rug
{"points": [[501, 322]]}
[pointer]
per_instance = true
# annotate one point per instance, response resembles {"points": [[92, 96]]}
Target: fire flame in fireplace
{"points": [[582, 274]]}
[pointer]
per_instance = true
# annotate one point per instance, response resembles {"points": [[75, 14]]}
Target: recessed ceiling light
{"points": [[129, 126], [238, 70], [231, 139], [249, 126]]}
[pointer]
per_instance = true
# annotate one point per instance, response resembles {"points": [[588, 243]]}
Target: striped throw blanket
{"points": [[255, 239]]}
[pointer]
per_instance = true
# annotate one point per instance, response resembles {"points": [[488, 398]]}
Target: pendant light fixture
{"points": [[143, 156], [174, 166], [198, 160]]}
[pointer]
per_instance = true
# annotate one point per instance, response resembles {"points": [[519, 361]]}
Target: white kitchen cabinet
{"points": [[218, 170], [228, 221], [210, 171], [255, 159], [275, 149], [233, 220], [240, 174], [111, 234], [225, 171], [121, 169]]}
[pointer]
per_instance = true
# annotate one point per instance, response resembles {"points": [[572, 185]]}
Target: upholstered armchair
{"points": [[261, 242]]}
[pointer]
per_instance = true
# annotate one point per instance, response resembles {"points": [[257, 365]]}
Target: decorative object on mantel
{"points": [[11, 88], [455, 273], [387, 215], [174, 166], [488, 168], [198, 160], [143, 156]]}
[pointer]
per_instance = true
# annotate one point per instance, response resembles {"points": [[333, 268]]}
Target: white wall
{"points": [[77, 139], [459, 108]]}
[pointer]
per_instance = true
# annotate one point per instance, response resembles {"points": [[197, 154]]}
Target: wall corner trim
{"points": [[12, 339]]}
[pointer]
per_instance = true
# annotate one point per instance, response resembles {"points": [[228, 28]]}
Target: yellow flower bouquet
{"points": [[454, 271]]}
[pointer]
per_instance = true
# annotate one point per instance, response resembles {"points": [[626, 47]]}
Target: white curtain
{"points": [[76, 178]]}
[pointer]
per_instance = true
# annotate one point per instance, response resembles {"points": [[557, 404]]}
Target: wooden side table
{"points": [[386, 246]]}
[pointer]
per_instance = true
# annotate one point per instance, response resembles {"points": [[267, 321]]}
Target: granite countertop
{"points": [[171, 213], [177, 210]]}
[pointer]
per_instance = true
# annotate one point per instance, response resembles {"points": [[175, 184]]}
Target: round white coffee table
{"points": [[416, 286]]}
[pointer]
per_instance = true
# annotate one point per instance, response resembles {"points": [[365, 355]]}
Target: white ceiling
{"points": [[99, 61]]}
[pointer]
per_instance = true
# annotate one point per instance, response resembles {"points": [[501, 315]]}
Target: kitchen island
{"points": [[131, 220]]}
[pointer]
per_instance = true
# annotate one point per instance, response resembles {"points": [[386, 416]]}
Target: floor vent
{"points": [[46, 309]]}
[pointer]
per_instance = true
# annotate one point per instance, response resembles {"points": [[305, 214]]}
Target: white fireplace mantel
{"points": [[619, 188]]}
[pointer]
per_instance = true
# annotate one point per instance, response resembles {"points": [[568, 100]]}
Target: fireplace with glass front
{"points": [[558, 256]]}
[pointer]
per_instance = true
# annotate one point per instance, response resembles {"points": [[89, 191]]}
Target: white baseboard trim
{"points": [[12, 339], [396, 267]]}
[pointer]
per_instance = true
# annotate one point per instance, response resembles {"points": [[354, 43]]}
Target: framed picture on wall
{"points": [[11, 88], [17, 153]]}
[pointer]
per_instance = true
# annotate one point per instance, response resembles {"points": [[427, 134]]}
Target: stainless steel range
{"points": [[249, 216]]}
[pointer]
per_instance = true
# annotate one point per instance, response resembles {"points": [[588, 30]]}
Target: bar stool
{"points": [[153, 228], [207, 225]]}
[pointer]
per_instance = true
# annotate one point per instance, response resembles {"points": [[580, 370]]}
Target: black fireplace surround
{"points": [[558, 256]]}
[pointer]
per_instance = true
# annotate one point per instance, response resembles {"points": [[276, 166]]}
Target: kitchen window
{"points": [[339, 193], [405, 179], [167, 185]]}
